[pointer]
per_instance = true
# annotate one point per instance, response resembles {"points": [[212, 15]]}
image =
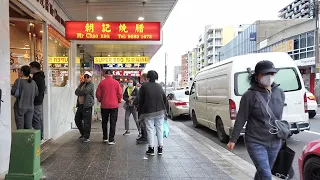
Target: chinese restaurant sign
{"points": [[121, 60], [113, 31], [61, 60]]}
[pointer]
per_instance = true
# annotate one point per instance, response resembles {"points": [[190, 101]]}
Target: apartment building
{"points": [[298, 9], [176, 72], [184, 70]]}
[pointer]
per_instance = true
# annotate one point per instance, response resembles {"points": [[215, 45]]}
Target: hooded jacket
{"points": [[253, 112], [87, 92], [39, 78]]}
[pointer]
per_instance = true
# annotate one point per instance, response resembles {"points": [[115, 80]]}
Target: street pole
{"points": [[165, 74], [316, 17]]}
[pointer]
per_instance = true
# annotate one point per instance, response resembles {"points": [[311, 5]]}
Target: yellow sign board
{"points": [[122, 60], [285, 46], [38, 151], [61, 60]]}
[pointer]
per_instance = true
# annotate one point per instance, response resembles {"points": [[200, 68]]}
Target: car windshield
{"points": [[180, 94], [286, 77]]}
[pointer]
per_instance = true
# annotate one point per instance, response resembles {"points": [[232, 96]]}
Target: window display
{"points": [[58, 58]]}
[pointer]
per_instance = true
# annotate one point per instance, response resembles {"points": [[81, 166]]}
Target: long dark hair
{"points": [[253, 79], [26, 70]]}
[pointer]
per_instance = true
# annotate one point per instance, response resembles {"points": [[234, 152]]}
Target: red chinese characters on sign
{"points": [[113, 31], [127, 73]]}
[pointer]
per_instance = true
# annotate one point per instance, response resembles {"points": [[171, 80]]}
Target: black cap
{"points": [[109, 71], [265, 67]]}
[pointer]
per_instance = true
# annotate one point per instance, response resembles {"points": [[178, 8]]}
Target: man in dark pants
{"points": [[109, 93], [144, 136], [39, 78], [83, 117]]}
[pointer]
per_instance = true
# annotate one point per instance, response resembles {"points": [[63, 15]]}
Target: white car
{"points": [[312, 104], [178, 103]]}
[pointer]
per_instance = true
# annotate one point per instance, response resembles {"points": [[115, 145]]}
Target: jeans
{"points": [[157, 124], [23, 118], [37, 121], [113, 115], [129, 111], [263, 158], [83, 120]]}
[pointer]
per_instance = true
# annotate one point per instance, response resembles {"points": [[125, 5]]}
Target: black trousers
{"points": [[144, 134], [113, 115], [83, 120]]}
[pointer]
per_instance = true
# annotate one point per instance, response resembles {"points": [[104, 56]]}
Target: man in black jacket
{"points": [[39, 78]]}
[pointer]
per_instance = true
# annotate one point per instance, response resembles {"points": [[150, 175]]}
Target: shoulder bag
{"points": [[282, 125]]}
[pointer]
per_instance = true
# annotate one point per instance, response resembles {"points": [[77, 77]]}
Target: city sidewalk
{"points": [[187, 155]]}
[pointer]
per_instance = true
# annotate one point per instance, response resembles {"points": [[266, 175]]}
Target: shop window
{"points": [[296, 57], [296, 42], [303, 55], [310, 39], [303, 40], [58, 58]]}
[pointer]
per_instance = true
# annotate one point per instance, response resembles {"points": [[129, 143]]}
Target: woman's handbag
{"points": [[282, 168], [282, 125], [17, 93]]}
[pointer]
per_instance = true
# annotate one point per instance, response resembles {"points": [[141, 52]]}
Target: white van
{"points": [[217, 89]]}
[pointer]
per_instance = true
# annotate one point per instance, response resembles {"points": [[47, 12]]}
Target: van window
{"points": [[286, 77], [193, 88]]}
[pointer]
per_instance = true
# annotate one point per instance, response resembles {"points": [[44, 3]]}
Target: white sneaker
{"points": [[112, 143], [105, 140]]}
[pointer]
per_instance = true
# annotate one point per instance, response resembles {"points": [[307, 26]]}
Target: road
{"points": [[296, 142]]}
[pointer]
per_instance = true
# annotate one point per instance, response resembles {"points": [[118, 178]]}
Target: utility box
{"points": [[25, 155]]}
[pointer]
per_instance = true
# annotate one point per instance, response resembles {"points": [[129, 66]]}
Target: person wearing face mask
{"points": [[260, 138], [130, 96]]}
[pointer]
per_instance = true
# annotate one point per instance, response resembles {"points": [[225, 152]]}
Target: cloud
{"points": [[187, 21]]}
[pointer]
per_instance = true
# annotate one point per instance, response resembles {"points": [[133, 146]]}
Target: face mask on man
{"points": [[267, 80], [130, 84]]}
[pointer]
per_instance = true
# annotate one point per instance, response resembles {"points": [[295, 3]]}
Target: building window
{"points": [[303, 40], [310, 54], [310, 39], [296, 42]]}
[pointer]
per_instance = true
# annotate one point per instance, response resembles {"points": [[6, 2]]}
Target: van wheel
{"points": [[312, 114], [194, 120], [221, 133], [311, 169]]}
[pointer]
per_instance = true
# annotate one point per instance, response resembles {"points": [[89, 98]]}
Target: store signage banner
{"points": [[125, 66], [61, 60], [127, 73], [122, 60], [113, 31]]}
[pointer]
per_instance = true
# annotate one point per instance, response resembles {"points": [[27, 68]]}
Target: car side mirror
{"points": [[187, 93]]}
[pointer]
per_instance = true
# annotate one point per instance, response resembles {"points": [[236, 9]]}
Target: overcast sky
{"points": [[187, 20]]}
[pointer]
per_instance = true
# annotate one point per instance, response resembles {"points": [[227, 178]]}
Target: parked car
{"points": [[217, 90], [178, 103], [312, 104], [309, 161]]}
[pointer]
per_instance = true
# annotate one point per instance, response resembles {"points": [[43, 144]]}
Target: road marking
{"points": [[311, 132]]}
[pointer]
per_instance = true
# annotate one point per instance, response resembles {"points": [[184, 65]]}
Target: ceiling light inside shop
{"points": [[109, 55], [99, 18], [31, 24], [41, 31], [138, 54], [50, 38], [141, 18]]}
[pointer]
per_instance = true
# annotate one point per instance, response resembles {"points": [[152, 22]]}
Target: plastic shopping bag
{"points": [[165, 129]]}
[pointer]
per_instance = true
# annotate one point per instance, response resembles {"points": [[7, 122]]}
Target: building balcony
{"points": [[218, 45], [210, 37], [218, 36], [210, 45]]}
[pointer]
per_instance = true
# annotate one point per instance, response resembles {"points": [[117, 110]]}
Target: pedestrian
{"points": [[153, 107], [85, 102], [109, 93], [261, 131], [39, 78], [144, 135], [25, 90], [130, 96]]}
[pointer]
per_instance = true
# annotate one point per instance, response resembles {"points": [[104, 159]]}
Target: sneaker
{"points": [[86, 140], [142, 141], [160, 149], [105, 140], [126, 133], [150, 151], [81, 137], [112, 143]]}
